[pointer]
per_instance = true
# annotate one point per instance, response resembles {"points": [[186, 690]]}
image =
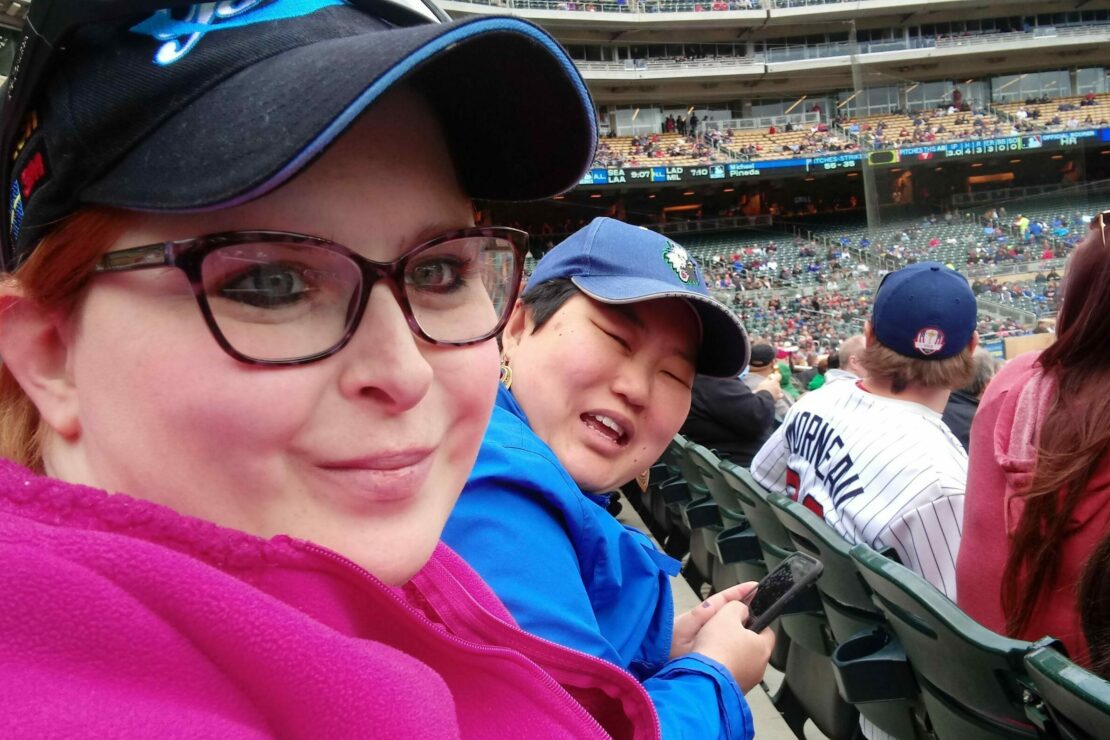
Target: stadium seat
{"points": [[875, 678], [973, 681], [729, 540], [665, 483], [1077, 702], [809, 687], [752, 499], [699, 514]]}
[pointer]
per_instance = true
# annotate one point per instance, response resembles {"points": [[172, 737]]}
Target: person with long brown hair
{"points": [[1038, 493]]}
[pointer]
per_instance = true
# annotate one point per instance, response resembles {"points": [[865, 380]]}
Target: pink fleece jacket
{"points": [[121, 618], [1003, 453]]}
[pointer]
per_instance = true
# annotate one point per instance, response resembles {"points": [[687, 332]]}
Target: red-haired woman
{"points": [[1038, 492]]}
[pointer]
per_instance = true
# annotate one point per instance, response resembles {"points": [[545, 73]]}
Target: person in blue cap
{"points": [[598, 360], [874, 457]]}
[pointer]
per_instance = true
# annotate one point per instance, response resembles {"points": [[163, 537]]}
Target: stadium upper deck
{"points": [[640, 51]]}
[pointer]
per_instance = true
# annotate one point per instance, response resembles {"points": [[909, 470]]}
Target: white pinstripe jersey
{"points": [[881, 471]]}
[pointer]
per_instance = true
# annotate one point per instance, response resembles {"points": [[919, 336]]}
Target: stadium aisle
{"points": [[768, 724]]}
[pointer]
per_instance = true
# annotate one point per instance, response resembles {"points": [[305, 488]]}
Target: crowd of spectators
{"points": [[993, 238], [647, 149]]}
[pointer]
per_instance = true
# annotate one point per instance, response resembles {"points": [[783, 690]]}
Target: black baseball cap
{"points": [[206, 106], [762, 355]]}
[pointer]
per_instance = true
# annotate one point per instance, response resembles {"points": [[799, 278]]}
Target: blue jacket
{"points": [[571, 573]]}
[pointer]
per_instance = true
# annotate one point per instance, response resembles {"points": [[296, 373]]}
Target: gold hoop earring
{"points": [[506, 376]]}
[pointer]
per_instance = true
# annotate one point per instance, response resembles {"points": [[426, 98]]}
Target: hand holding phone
{"points": [[778, 588]]}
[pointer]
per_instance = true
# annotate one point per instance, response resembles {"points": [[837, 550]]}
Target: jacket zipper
{"points": [[547, 679]]}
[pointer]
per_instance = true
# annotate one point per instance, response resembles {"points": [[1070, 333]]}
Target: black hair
{"points": [[543, 300]]}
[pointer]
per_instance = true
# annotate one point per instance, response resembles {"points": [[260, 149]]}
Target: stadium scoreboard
{"points": [[788, 167]]}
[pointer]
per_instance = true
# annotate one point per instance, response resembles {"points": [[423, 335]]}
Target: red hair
{"points": [[54, 277]]}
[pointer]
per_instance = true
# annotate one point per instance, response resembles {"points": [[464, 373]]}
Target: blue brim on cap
{"points": [[724, 349]]}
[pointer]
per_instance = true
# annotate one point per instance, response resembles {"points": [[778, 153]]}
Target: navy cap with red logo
{"points": [[925, 311]]}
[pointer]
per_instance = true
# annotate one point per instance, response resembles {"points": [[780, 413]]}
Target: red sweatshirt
{"points": [[1003, 452]]}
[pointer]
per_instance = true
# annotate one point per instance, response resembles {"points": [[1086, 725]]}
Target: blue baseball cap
{"points": [[613, 262], [925, 311]]}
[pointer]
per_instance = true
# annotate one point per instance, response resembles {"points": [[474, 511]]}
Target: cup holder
{"points": [[872, 666]]}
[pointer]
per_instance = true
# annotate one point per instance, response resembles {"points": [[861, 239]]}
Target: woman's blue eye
{"points": [[273, 285], [439, 273]]}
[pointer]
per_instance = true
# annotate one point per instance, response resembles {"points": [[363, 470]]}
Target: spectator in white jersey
{"points": [[873, 457]]}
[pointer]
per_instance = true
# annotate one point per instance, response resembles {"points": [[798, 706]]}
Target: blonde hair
{"points": [[54, 277], [951, 372]]}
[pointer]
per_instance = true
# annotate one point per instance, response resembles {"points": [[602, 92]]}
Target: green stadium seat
{"points": [[752, 499], [809, 689], [730, 541], [973, 681], [1077, 701], [699, 569], [874, 677], [665, 484]]}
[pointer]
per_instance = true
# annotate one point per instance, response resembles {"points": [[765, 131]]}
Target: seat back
{"points": [[1077, 701], [691, 474], [773, 538], [707, 464], [671, 454], [878, 667], [847, 601], [973, 680]]}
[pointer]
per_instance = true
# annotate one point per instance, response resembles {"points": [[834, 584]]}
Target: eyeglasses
{"points": [[278, 298], [49, 23], [1099, 222]]}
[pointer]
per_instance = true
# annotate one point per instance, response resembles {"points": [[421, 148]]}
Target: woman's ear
{"points": [[33, 349], [515, 329]]}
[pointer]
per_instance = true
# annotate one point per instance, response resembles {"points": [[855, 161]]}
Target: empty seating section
{"points": [[874, 643]]}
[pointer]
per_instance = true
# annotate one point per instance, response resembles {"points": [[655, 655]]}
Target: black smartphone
{"points": [[779, 587]]}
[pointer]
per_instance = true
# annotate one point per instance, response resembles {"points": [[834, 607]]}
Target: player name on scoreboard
{"points": [[842, 161]]}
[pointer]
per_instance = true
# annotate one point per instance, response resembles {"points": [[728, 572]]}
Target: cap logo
{"points": [[15, 210], [181, 35], [679, 260], [30, 125], [33, 173], [929, 340]]}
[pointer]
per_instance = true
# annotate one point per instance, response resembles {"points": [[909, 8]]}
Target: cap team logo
{"points": [[929, 340], [679, 260], [180, 34]]}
